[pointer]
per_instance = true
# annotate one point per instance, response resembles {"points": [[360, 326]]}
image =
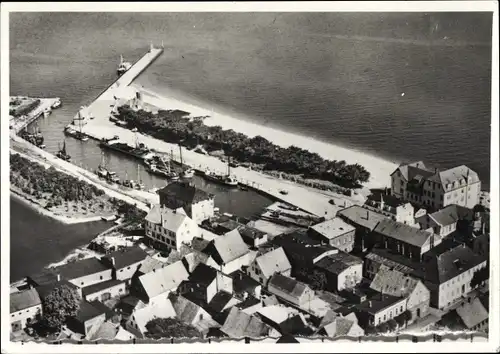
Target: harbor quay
{"points": [[314, 201]]}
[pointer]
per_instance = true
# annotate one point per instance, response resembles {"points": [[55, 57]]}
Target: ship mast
{"points": [[180, 153]]}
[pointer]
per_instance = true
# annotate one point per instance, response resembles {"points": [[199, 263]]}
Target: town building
{"points": [[444, 222], [267, 264], [380, 309], [252, 236], [25, 309], [206, 282], [229, 252], [397, 284], [379, 257], [88, 319], [335, 232], [168, 228], [192, 314], [341, 326], [403, 239], [286, 320], [197, 204], [471, 315], [392, 207], [141, 316], [105, 291], [84, 273], [448, 275], [125, 263], [365, 221], [290, 290], [342, 271], [436, 189], [239, 324], [159, 283], [245, 286]]}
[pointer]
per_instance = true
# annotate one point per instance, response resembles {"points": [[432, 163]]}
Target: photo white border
{"points": [[493, 343]]}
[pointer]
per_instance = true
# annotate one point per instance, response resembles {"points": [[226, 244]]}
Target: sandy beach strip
{"points": [[379, 168]]}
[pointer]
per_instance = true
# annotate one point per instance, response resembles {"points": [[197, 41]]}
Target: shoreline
{"points": [[33, 204], [379, 168]]}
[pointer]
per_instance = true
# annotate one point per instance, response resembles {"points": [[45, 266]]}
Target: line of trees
{"points": [[176, 127], [24, 109], [34, 179], [170, 328]]}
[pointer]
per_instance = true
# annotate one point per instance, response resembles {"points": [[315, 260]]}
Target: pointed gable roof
{"points": [[228, 247], [402, 232], [238, 324], [23, 300], [273, 262], [169, 219], [164, 279], [393, 283]]}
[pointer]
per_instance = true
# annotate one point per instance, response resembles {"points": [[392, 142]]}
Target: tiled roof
{"points": [[239, 324], [250, 232], [456, 174], [88, 290], [44, 277], [277, 313], [339, 262], [230, 225], [199, 244], [219, 301], [183, 193], [378, 303], [402, 232], [451, 214], [230, 246], [339, 327], [248, 302], [472, 313], [390, 200], [107, 331], [161, 309], [272, 262], [333, 228], [80, 269], [296, 325], [193, 259], [186, 310], [127, 257], [403, 168], [24, 300], [271, 300], [357, 215], [87, 312], [393, 283], [164, 279], [169, 219], [450, 264], [287, 285], [394, 261]]}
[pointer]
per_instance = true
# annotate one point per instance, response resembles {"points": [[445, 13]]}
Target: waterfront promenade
{"points": [[308, 199]]}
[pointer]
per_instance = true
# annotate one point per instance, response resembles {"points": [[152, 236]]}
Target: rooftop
{"points": [[229, 247], [451, 214], [181, 193], [80, 269], [272, 262], [151, 264], [392, 282], [243, 282], [448, 265], [168, 218], [24, 300], [203, 275], [88, 311], [238, 324], [164, 279], [338, 262], [402, 232], [287, 285], [127, 257], [88, 290], [472, 313], [360, 216], [333, 228], [378, 303], [251, 232], [394, 261]]}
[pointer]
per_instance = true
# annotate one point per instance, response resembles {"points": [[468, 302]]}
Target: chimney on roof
{"points": [[370, 303], [113, 261], [58, 277], [367, 215]]}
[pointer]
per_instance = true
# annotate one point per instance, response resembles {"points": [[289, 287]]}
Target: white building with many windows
{"points": [[169, 228], [436, 189]]}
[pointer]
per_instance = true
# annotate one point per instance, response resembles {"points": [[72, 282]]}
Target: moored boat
{"points": [[62, 154]]}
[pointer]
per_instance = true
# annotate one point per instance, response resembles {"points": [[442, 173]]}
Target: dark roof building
{"points": [[338, 262], [80, 269], [23, 300], [95, 288], [179, 194], [243, 283], [122, 259], [402, 232], [361, 217]]}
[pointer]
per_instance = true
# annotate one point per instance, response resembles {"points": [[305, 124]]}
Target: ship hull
{"points": [[123, 151]]}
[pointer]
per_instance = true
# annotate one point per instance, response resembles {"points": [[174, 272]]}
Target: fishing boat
{"points": [[226, 180], [103, 172], [158, 166], [77, 134], [62, 154], [139, 185], [47, 112], [123, 67], [187, 172], [140, 150]]}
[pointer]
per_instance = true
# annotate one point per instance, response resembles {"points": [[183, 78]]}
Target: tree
{"points": [[170, 328], [407, 316], [392, 324], [61, 303], [318, 280], [479, 277], [383, 327]]}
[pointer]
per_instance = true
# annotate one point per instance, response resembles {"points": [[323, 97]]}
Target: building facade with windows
{"points": [[167, 228], [25, 308], [436, 189]]}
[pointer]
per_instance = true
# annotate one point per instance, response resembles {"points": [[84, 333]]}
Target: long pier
{"points": [[18, 124]]}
